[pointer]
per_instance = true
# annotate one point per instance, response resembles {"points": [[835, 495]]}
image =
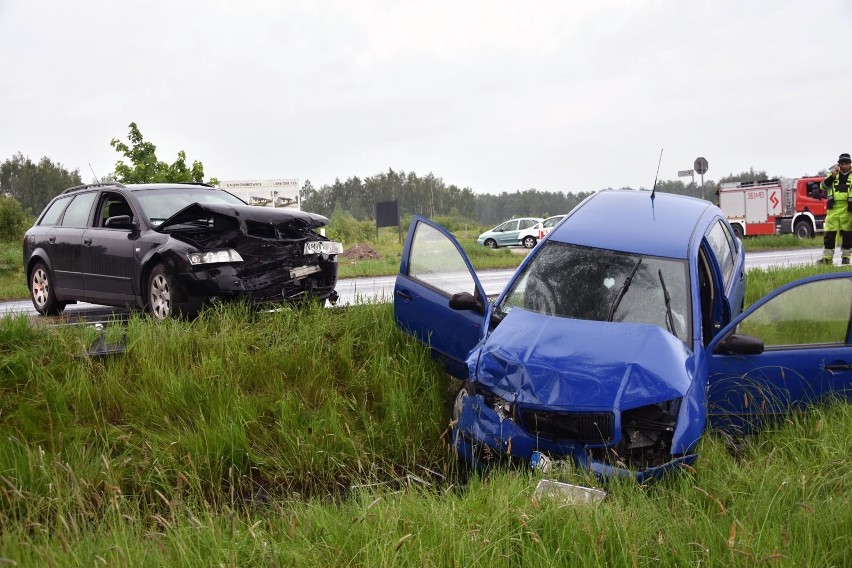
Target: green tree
{"points": [[14, 221], [144, 166], [34, 185]]}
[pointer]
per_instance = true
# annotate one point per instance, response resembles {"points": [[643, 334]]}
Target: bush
{"points": [[348, 230], [14, 222]]}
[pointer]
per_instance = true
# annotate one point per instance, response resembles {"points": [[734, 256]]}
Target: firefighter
{"points": [[838, 189]]}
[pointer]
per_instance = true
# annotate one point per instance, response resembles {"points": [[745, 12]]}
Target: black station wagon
{"points": [[170, 247]]}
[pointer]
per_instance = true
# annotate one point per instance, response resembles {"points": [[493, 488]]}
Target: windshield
{"points": [[160, 204], [586, 283]]}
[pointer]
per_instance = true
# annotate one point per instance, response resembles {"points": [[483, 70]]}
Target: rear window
{"points": [[54, 211], [77, 214]]}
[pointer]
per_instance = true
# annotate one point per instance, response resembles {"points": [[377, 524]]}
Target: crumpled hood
{"points": [[564, 363], [242, 213]]}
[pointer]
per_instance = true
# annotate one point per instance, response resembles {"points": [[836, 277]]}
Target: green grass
{"points": [[317, 438], [13, 283]]}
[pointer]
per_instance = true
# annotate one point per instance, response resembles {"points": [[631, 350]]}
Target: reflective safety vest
{"points": [[839, 196]]}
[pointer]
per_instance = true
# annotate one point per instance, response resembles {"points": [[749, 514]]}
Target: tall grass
{"points": [[315, 437]]}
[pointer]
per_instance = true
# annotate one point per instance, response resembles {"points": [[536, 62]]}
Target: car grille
{"points": [[584, 427]]}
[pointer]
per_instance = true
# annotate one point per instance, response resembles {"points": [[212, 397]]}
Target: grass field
{"points": [[318, 438]]}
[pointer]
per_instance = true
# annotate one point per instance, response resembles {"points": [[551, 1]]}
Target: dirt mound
{"points": [[360, 252]]}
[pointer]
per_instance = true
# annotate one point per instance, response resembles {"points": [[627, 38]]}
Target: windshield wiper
{"points": [[669, 318], [617, 300]]}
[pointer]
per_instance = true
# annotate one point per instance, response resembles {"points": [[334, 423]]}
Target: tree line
{"points": [[33, 184]]}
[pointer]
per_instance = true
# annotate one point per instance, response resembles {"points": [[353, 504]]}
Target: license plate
{"points": [[313, 247]]}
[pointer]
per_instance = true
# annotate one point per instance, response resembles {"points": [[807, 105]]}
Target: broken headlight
{"points": [[214, 257], [323, 247], [501, 406]]}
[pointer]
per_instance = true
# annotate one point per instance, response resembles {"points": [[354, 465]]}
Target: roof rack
{"points": [[92, 185]]}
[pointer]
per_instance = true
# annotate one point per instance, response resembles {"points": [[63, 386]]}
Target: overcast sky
{"points": [[495, 96]]}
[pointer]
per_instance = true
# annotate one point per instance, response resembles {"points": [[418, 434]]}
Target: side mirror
{"points": [[121, 222], [736, 344], [466, 301]]}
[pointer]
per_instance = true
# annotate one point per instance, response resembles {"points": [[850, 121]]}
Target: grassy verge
{"points": [[316, 438], [13, 283]]}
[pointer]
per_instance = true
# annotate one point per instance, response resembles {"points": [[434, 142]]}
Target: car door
{"points": [[509, 234], [806, 355], [107, 254], [68, 243], [433, 269]]}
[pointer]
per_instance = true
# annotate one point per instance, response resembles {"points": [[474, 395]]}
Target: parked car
{"points": [[615, 348], [506, 234], [529, 237], [170, 247]]}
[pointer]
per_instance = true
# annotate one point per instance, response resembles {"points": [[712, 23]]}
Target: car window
{"points": [[526, 223], [577, 282], [160, 204], [510, 225], [437, 263], [551, 222], [51, 216], [77, 214], [815, 313], [722, 244], [111, 205]]}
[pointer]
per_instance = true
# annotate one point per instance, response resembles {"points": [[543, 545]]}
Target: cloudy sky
{"points": [[495, 96]]}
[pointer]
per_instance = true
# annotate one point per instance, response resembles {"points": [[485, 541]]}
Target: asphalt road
{"points": [[380, 288]]}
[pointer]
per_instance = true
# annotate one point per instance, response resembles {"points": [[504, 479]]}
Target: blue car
{"points": [[619, 339]]}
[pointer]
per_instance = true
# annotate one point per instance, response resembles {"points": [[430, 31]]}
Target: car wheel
{"points": [[491, 243], [42, 293], [163, 293], [803, 230], [529, 242], [738, 231]]}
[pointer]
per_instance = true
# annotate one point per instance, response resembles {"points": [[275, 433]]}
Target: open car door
{"points": [[433, 270], [789, 349]]}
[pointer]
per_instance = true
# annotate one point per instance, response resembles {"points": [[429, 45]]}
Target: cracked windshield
{"points": [[603, 285]]}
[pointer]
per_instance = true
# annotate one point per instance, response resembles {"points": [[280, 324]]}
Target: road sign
{"points": [[700, 165], [684, 173]]}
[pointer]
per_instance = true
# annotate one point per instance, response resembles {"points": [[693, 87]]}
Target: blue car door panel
{"points": [[804, 329], [433, 268]]}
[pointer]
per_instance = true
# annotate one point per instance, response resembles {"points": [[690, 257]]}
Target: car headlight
{"points": [[323, 247], [214, 257], [501, 406]]}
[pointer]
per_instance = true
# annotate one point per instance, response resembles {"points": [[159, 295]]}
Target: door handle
{"points": [[838, 367], [51, 239], [405, 295], [87, 241]]}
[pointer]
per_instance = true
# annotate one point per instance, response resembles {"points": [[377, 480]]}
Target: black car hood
{"points": [[242, 213]]}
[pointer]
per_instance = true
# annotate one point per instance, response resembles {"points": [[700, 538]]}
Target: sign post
{"points": [[701, 167]]}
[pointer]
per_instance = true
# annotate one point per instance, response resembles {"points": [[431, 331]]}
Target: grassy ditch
{"points": [[317, 438]]}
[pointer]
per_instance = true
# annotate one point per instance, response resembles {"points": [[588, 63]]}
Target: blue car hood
{"points": [[560, 363]]}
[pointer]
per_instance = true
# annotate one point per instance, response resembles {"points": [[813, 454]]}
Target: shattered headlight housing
{"points": [[214, 257], [323, 247]]}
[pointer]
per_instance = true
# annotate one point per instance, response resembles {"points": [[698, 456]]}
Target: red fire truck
{"points": [[774, 206]]}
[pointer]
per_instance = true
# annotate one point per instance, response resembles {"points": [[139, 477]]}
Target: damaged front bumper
{"points": [[274, 284], [481, 437]]}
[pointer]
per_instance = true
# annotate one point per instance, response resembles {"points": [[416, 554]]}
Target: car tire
{"points": [[529, 242], [163, 293], [42, 292], [803, 230], [738, 231], [491, 243]]}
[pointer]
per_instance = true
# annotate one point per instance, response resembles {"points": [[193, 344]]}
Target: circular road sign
{"points": [[700, 165]]}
